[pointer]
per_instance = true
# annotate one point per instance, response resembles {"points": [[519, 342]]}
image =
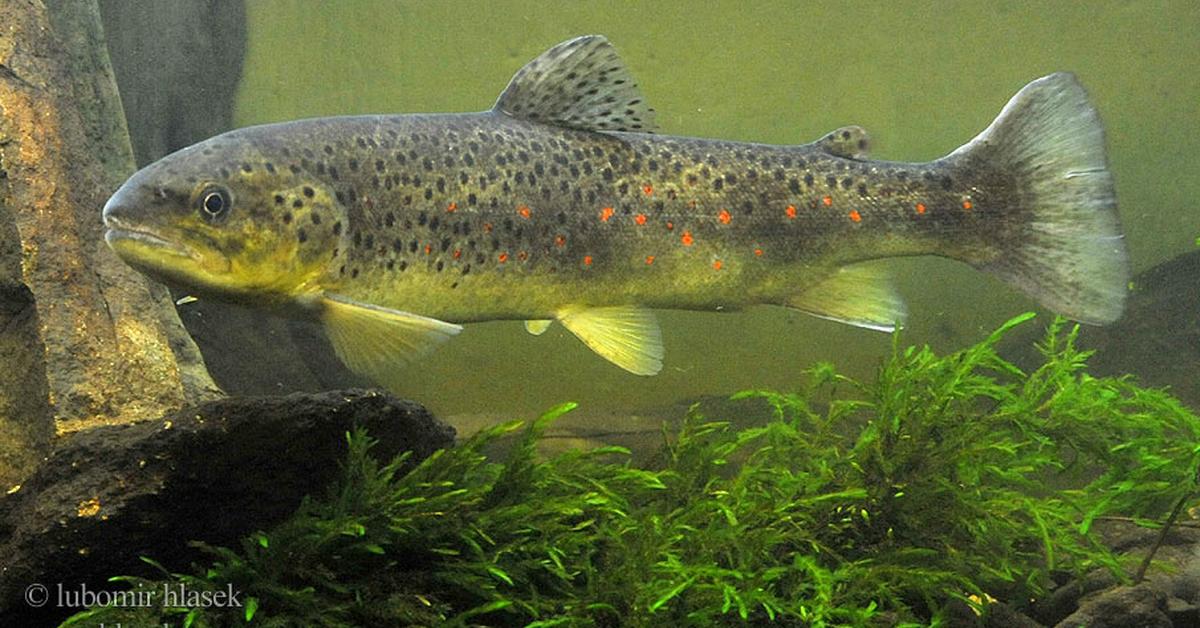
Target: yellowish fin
{"points": [[373, 340], [861, 295], [625, 335], [537, 327]]}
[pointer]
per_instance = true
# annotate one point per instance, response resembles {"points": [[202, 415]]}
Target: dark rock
{"points": [[1064, 600], [1140, 606], [214, 472], [1001, 615], [1157, 339], [1182, 613]]}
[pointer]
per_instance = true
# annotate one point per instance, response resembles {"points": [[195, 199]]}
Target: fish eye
{"points": [[214, 202]]}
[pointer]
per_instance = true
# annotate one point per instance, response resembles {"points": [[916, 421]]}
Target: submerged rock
{"points": [[1157, 339], [214, 472]]}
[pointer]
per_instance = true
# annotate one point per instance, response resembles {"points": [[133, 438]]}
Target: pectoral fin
{"points": [[627, 336], [373, 341], [537, 327], [861, 295]]}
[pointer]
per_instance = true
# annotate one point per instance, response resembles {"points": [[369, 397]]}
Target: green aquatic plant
{"points": [[949, 477]]}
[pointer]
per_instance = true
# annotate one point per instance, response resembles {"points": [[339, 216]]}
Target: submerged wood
{"points": [[93, 342]]}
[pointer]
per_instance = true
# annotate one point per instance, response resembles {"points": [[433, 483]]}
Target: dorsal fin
{"points": [[850, 142], [580, 83]]}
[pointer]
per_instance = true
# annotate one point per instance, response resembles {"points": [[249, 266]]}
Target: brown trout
{"points": [[560, 204]]}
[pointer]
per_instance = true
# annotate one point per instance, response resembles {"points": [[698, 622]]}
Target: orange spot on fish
{"points": [[522, 255], [587, 260], [428, 249], [647, 189], [758, 252], [457, 253], [487, 226], [724, 217], [670, 226], [451, 207], [790, 211], [687, 238], [605, 214], [967, 203], [855, 216], [560, 241], [717, 265], [524, 211], [503, 257], [920, 208], [640, 219], [828, 200], [649, 260]]}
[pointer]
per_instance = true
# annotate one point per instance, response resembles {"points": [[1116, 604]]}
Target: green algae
{"points": [[951, 477]]}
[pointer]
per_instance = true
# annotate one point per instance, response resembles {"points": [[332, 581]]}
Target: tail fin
{"points": [[1071, 255]]}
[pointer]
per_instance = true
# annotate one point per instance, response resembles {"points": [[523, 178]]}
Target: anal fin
{"points": [[373, 341], [860, 295], [625, 335]]}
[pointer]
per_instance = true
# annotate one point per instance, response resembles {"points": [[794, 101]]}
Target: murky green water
{"points": [[921, 77]]}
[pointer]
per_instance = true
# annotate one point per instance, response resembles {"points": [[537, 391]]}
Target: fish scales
{"points": [[457, 215], [560, 204]]}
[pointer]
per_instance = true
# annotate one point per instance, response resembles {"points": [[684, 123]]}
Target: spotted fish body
{"points": [[558, 204]]}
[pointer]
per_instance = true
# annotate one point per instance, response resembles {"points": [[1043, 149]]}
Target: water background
{"points": [[921, 77]]}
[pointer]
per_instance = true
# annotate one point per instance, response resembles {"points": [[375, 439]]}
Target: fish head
{"points": [[222, 221]]}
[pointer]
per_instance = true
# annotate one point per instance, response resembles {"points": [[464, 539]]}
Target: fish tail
{"points": [[1065, 246]]}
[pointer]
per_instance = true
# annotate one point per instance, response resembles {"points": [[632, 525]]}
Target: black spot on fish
{"points": [[794, 185], [316, 218], [847, 182], [428, 193], [287, 218], [831, 181], [862, 189], [434, 223], [308, 191], [297, 203], [270, 167], [279, 199], [719, 183], [247, 168], [328, 149], [389, 219], [947, 183], [337, 228], [354, 273], [302, 236], [808, 179], [471, 199]]}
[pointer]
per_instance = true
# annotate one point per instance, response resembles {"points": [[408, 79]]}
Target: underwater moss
{"points": [[949, 477]]}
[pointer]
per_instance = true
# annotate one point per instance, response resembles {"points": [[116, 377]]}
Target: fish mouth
{"points": [[123, 239]]}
